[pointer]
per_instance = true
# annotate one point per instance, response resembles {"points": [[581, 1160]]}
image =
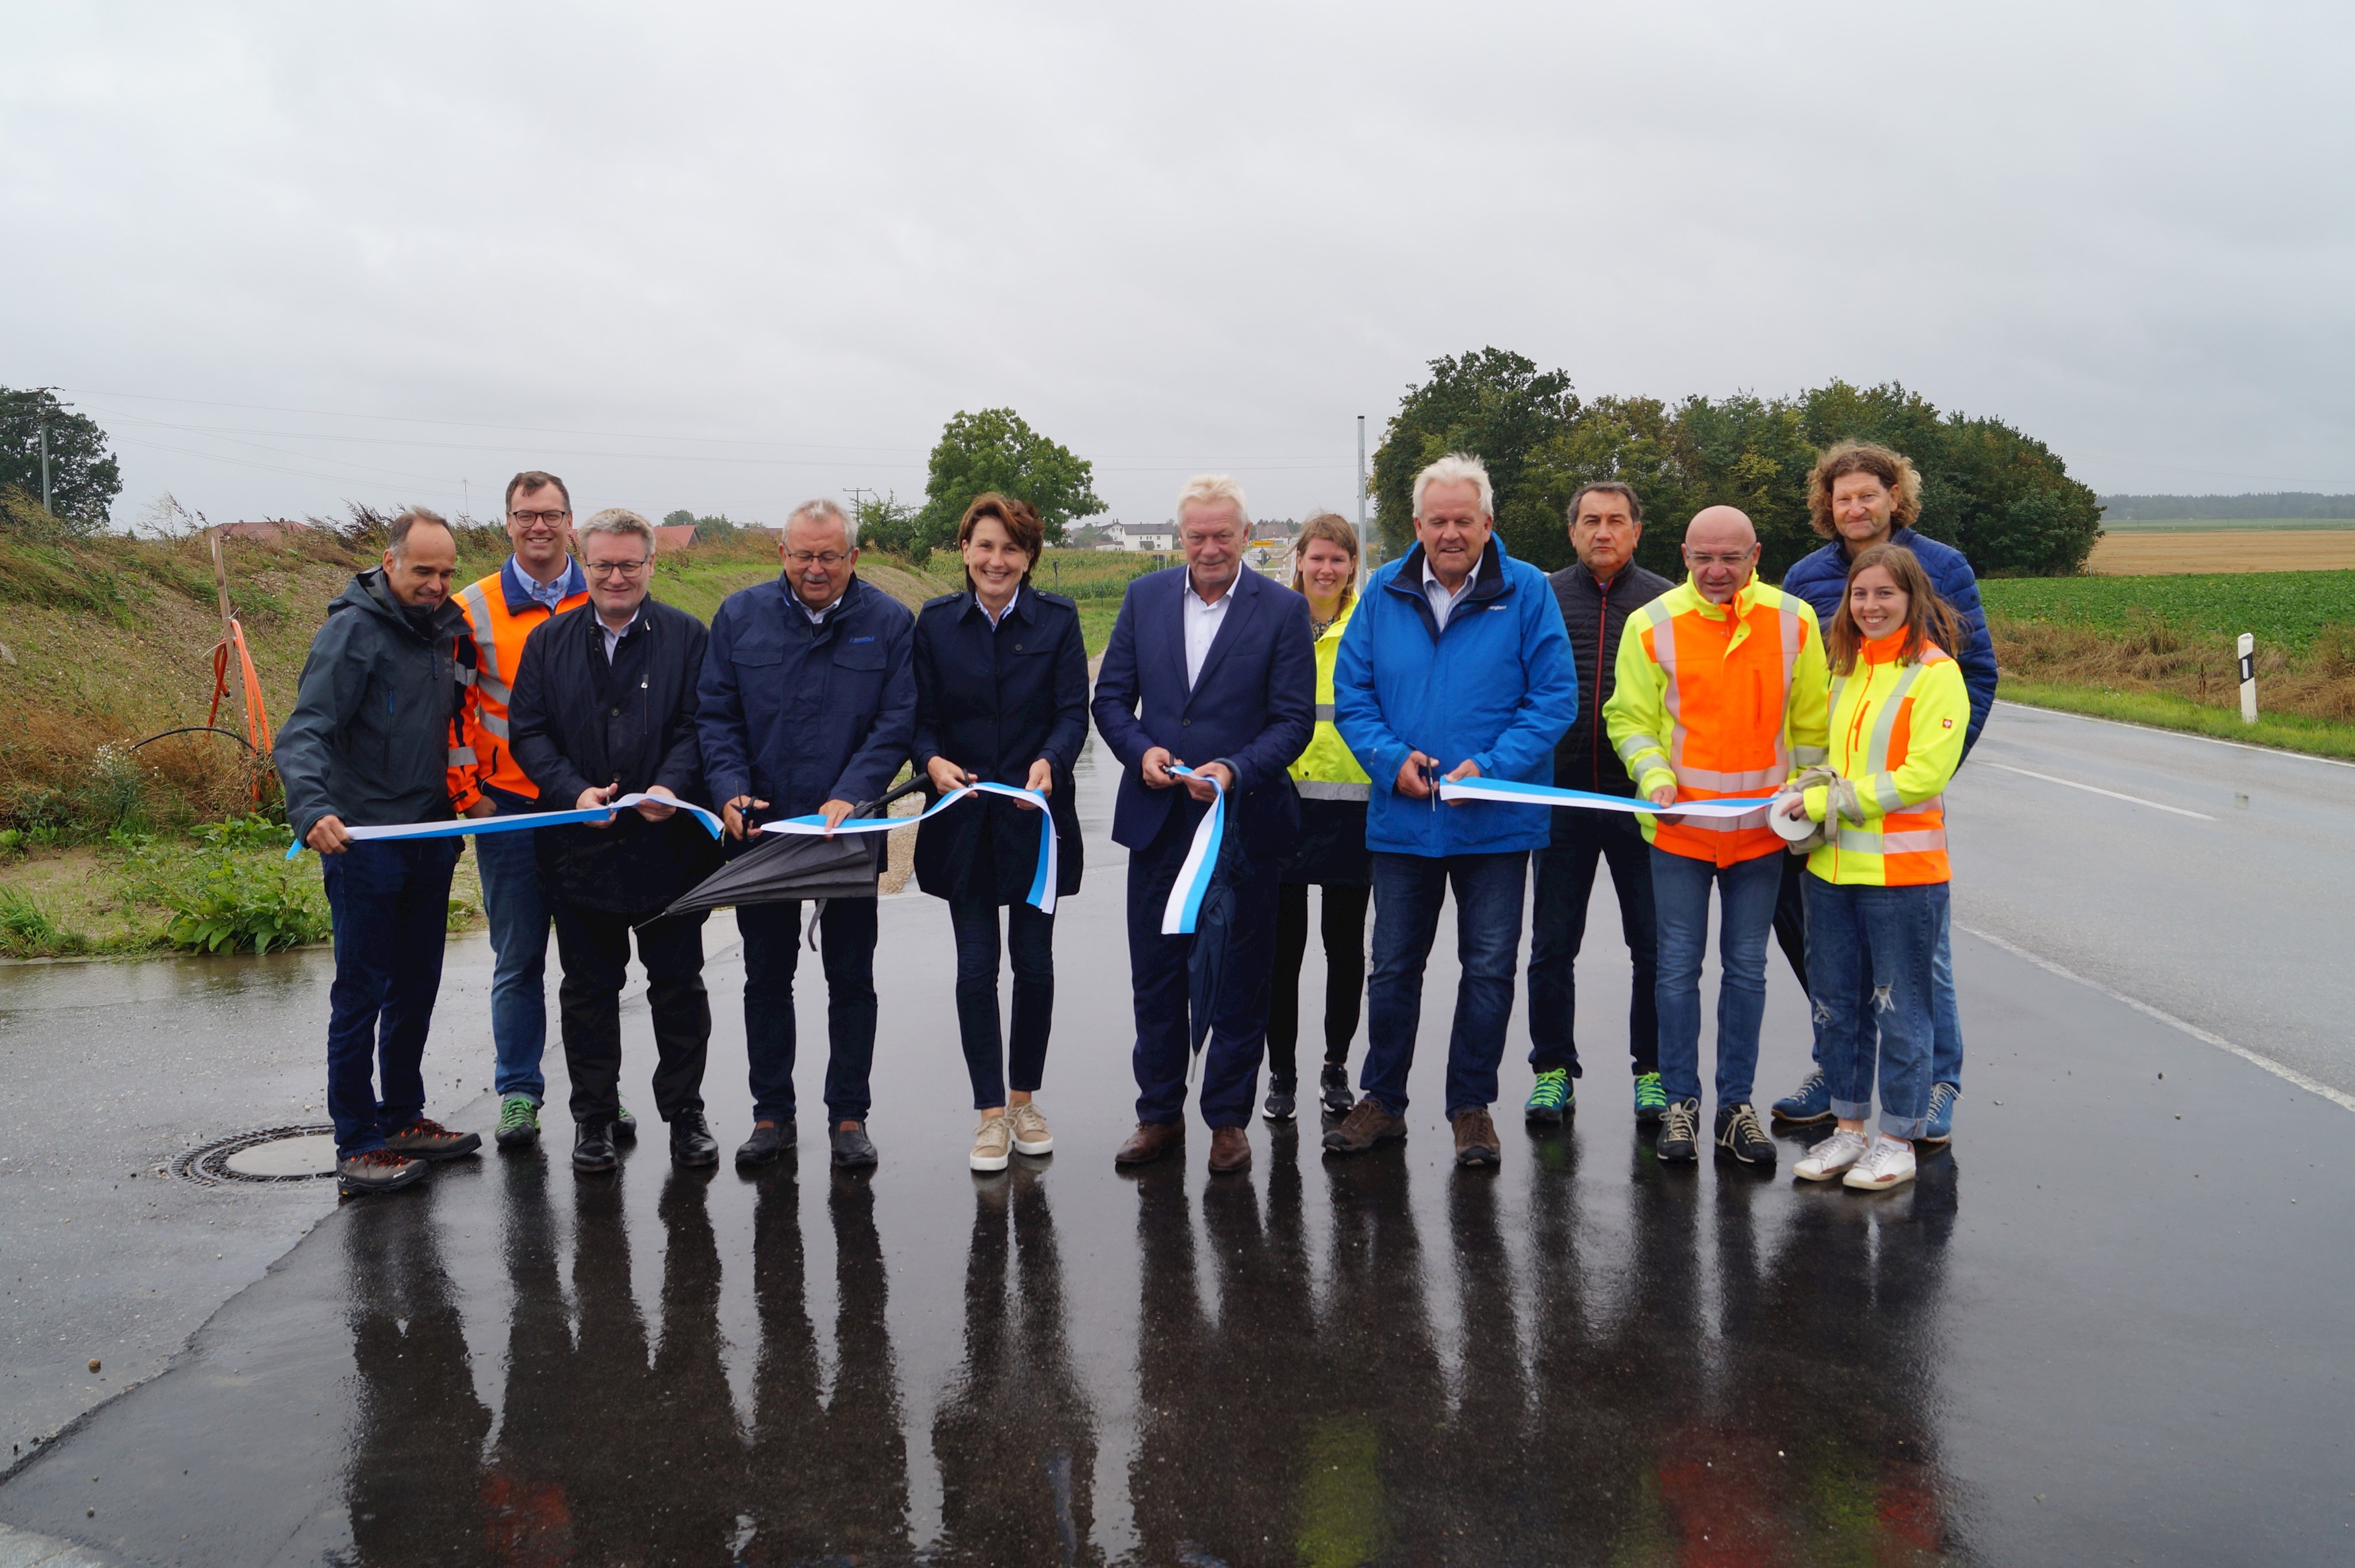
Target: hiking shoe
{"points": [[1332, 1089], [1830, 1158], [993, 1142], [1651, 1100], [1030, 1134], [853, 1149], [1809, 1103], [1550, 1098], [768, 1138], [593, 1153], [519, 1121], [692, 1147], [1476, 1139], [1739, 1134], [1366, 1125], [426, 1139], [1889, 1163], [378, 1170], [1282, 1104], [626, 1127], [1941, 1128], [1679, 1133]]}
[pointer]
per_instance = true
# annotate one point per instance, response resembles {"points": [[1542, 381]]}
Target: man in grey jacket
{"points": [[376, 739]]}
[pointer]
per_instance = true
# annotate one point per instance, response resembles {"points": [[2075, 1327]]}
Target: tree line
{"points": [[2278, 506]]}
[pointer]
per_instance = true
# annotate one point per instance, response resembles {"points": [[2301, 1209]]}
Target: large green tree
{"points": [[1493, 403], [83, 477], [995, 449]]}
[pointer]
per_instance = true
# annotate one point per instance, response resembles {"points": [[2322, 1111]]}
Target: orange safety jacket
{"points": [[501, 617], [1720, 699]]}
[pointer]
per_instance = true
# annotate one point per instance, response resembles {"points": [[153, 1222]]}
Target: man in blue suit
{"points": [[1213, 669]]}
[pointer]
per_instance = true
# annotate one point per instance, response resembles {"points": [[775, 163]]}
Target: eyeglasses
{"points": [[528, 518], [615, 567], [1695, 560], [829, 559]]}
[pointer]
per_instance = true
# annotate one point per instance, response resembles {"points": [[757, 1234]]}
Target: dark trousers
{"points": [[1158, 977], [593, 945], [1343, 927], [1565, 876], [1408, 892], [771, 935], [391, 903], [1030, 940]]}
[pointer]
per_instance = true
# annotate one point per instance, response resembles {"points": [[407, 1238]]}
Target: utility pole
{"points": [[44, 418], [1364, 545]]}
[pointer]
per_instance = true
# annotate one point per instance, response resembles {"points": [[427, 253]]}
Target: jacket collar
{"points": [[1020, 610], [1488, 580], [370, 591], [1743, 599], [518, 597]]}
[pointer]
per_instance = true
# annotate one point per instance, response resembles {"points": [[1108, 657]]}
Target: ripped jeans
{"points": [[1868, 957]]}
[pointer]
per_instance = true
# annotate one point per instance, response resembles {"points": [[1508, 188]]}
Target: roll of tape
{"points": [[1790, 829]]}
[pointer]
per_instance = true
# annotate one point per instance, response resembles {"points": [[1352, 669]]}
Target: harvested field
{"points": [[2152, 552]]}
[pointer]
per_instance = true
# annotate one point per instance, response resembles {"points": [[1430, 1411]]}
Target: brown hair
{"points": [[396, 533], [533, 479], [1021, 523], [1929, 619], [1893, 469], [1609, 488], [1334, 529]]}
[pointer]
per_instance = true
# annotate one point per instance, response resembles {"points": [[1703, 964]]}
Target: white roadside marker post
{"points": [[2248, 679]]}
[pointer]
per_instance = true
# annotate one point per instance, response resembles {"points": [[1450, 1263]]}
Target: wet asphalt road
{"points": [[2093, 1333]]}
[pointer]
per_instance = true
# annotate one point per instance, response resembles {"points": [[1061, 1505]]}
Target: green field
{"points": [[2282, 609]]}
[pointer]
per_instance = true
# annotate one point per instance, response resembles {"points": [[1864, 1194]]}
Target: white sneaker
{"points": [[1890, 1164], [1030, 1134], [989, 1143], [1834, 1155]]}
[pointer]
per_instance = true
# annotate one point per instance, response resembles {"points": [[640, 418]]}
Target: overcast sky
{"points": [[726, 257]]}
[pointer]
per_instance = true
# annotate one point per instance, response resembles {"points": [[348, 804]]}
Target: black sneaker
{"points": [[592, 1147], [1281, 1104], [691, 1143], [1739, 1134], [1679, 1133], [378, 1170], [853, 1149], [626, 1127], [762, 1149], [1332, 1089], [426, 1139]]}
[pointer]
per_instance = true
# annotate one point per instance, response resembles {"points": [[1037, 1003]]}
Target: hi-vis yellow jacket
{"points": [[1897, 736], [1328, 770]]}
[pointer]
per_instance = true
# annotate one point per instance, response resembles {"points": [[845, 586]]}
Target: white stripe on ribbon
{"points": [[1185, 906], [1042, 879], [1505, 793], [468, 826]]}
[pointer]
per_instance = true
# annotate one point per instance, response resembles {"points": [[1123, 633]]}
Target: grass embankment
{"points": [[2161, 651]]}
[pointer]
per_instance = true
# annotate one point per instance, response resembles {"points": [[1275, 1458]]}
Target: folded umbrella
{"points": [[1214, 924], [782, 868]]}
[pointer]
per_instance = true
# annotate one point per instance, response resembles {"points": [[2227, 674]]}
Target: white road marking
{"points": [[2179, 734], [2096, 789], [2279, 1070]]}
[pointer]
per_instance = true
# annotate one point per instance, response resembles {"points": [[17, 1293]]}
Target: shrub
{"points": [[27, 930], [228, 903]]}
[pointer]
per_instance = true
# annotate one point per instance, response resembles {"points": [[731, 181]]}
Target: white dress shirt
{"points": [[1202, 623], [1442, 602], [613, 637]]}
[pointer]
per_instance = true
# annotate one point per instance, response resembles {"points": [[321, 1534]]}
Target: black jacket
{"points": [[993, 701], [372, 736], [1595, 614], [576, 722]]}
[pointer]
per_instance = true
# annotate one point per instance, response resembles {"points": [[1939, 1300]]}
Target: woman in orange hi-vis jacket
{"points": [[1876, 885]]}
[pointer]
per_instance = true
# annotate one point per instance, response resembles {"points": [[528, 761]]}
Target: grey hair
{"points": [[824, 510], [618, 520], [1458, 468], [1211, 490]]}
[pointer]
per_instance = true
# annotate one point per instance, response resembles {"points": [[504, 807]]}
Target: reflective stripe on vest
{"points": [[1319, 789], [1323, 714], [493, 723], [1878, 784], [486, 646], [461, 757]]}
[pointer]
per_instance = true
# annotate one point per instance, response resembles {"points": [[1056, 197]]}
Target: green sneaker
{"points": [[1550, 1099], [626, 1127], [519, 1121], [1651, 1100]]}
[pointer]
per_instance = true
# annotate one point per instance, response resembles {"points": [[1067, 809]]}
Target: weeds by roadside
{"points": [[28, 932]]}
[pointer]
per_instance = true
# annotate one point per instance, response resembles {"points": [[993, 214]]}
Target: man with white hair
{"points": [[807, 704], [1454, 667], [1212, 668]]}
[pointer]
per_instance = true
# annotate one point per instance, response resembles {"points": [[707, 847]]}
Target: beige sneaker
{"points": [[990, 1141], [1030, 1134]]}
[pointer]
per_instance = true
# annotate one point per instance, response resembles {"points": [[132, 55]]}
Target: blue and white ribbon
{"points": [[1042, 879], [468, 826], [1185, 906], [1505, 792]]}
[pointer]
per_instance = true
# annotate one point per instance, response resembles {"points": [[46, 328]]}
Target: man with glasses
{"points": [[807, 704], [539, 580], [605, 706]]}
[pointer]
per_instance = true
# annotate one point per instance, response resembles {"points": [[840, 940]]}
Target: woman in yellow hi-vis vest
{"points": [[1876, 885], [1332, 853]]}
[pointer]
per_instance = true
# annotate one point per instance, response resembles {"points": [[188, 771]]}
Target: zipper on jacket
{"points": [[1594, 728]]}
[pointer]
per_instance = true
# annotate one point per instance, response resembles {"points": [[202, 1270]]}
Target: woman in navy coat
{"points": [[1001, 696]]}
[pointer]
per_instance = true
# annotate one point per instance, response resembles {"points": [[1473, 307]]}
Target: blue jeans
{"points": [[1871, 953], [520, 924], [390, 901], [771, 935], [1030, 939], [1161, 982], [1946, 1014], [1558, 930], [1746, 893], [1408, 891]]}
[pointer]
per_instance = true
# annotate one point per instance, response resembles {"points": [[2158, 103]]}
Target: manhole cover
{"points": [[273, 1154]]}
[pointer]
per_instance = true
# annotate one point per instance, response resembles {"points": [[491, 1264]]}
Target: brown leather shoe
{"points": [[1229, 1150], [1476, 1139], [1149, 1142], [1366, 1124]]}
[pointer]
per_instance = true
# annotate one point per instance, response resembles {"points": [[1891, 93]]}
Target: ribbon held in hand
{"points": [[1185, 906], [1042, 879], [468, 826], [1507, 792]]}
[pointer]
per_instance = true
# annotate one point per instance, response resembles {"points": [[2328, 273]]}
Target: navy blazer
{"points": [[1252, 709]]}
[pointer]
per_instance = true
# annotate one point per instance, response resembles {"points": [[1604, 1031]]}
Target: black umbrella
{"points": [[790, 866]]}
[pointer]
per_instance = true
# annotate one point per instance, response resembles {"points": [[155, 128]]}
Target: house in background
{"points": [[1160, 537], [270, 529], [674, 536]]}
